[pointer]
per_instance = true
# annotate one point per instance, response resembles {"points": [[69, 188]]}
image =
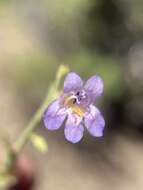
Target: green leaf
{"points": [[39, 143]]}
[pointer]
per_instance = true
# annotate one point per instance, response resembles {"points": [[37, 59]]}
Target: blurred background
{"points": [[91, 37]]}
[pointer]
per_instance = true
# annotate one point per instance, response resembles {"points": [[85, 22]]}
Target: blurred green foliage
{"points": [[35, 73], [91, 37], [106, 66]]}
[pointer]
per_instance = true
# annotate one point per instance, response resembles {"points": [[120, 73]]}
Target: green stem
{"points": [[25, 136], [33, 124]]}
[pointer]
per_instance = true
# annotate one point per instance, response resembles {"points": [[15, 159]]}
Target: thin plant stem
{"points": [[13, 152], [33, 124]]}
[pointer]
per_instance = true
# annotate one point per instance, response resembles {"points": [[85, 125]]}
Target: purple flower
{"points": [[75, 107]]}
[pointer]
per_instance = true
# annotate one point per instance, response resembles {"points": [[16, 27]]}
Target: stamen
{"points": [[69, 98], [78, 93], [73, 103]]}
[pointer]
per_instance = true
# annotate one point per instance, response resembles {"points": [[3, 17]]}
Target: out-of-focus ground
{"points": [[34, 39]]}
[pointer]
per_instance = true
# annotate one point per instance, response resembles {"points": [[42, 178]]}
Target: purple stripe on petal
{"points": [[54, 116], [94, 87], [73, 129], [94, 122], [72, 82]]}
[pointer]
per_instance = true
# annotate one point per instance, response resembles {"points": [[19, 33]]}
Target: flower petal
{"points": [[94, 87], [94, 122], [54, 116], [72, 82], [73, 129]]}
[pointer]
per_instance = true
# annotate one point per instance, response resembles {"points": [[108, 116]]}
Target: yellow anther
{"points": [[76, 109]]}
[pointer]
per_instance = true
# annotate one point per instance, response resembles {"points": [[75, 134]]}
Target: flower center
{"points": [[72, 103]]}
